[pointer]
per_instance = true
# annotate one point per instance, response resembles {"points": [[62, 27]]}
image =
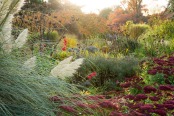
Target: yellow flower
{"points": [[85, 92], [127, 50]]}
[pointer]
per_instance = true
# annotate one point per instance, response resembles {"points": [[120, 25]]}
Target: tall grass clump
{"points": [[26, 93], [106, 69]]}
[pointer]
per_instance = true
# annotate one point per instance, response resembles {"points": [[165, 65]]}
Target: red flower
{"points": [[159, 106], [165, 87], [169, 102], [114, 113], [130, 97], [160, 112], [149, 89], [169, 106], [65, 41], [135, 106], [90, 76], [64, 48], [55, 99], [135, 113], [152, 72], [82, 105], [107, 104], [140, 97], [68, 109], [93, 106], [146, 107], [125, 85], [154, 98]]}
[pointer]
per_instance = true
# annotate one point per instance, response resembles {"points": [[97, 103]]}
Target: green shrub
{"points": [[60, 55], [137, 30], [107, 70], [125, 45], [51, 36], [164, 30], [134, 30]]}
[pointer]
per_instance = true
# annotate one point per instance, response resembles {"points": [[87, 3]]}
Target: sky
{"points": [[94, 6]]}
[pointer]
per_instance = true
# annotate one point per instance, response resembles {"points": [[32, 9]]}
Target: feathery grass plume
{"points": [[4, 6], [66, 68], [6, 14], [22, 38], [6, 34], [19, 5], [28, 94], [30, 63]]}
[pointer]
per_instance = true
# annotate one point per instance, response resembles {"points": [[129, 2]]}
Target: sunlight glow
{"points": [[95, 6]]}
